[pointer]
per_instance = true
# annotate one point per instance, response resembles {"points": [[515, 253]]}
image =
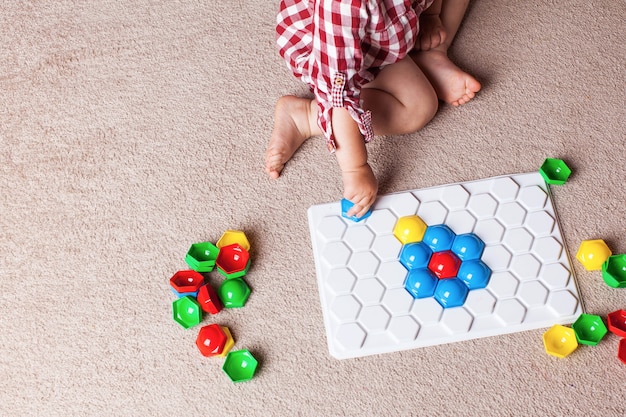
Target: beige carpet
{"points": [[130, 129]]}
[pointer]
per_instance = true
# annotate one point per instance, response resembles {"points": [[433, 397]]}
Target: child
{"points": [[358, 57]]}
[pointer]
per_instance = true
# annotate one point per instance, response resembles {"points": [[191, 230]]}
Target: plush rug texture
{"points": [[130, 129]]}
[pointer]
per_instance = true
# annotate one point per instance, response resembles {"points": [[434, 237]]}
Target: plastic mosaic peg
{"points": [[560, 341], [214, 340], [240, 365], [593, 253], [346, 205], [614, 271], [589, 329], [186, 282], [379, 295]]}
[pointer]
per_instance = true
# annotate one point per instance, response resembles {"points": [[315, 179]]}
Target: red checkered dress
{"points": [[337, 46]]}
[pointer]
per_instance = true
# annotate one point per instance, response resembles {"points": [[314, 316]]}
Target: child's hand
{"points": [[360, 187], [432, 32]]}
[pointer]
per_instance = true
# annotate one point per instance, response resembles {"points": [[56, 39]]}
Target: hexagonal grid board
{"points": [[367, 309]]}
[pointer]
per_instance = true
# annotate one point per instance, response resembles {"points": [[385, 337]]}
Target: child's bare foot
{"points": [[292, 126], [452, 85]]}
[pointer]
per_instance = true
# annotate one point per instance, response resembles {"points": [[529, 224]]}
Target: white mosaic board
{"points": [[368, 311]]}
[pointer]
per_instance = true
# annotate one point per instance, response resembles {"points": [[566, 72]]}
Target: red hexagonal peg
{"points": [[621, 350], [444, 264], [186, 282], [617, 322], [233, 261], [208, 299], [213, 339]]}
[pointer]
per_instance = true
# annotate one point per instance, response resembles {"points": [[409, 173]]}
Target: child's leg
{"points": [[295, 120], [401, 100], [452, 85]]}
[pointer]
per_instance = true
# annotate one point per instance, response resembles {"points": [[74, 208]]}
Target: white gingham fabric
{"points": [[337, 46]]}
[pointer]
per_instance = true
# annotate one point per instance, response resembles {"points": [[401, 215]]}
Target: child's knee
{"points": [[423, 110]]}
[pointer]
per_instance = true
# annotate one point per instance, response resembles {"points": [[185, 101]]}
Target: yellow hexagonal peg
{"points": [[409, 229], [230, 342], [560, 341], [234, 236], [592, 254]]}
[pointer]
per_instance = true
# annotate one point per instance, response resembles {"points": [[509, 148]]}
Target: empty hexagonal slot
{"points": [[427, 311], [374, 318], [519, 240], [540, 223], [457, 320], [386, 247], [555, 171], [403, 329], [504, 189], [511, 214], [533, 294], [482, 205], [397, 301], [404, 204], [455, 197], [345, 308], [358, 238], [555, 275], [369, 291], [589, 329], [510, 311], [480, 302], [364, 264], [340, 281], [433, 212], [350, 336], [381, 221], [525, 267], [559, 341], [563, 303], [489, 230], [461, 221], [497, 257], [331, 228], [392, 274], [503, 284], [547, 249], [533, 198], [614, 271], [336, 254]]}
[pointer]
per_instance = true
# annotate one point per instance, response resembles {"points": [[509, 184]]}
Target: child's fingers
{"points": [[360, 208]]}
